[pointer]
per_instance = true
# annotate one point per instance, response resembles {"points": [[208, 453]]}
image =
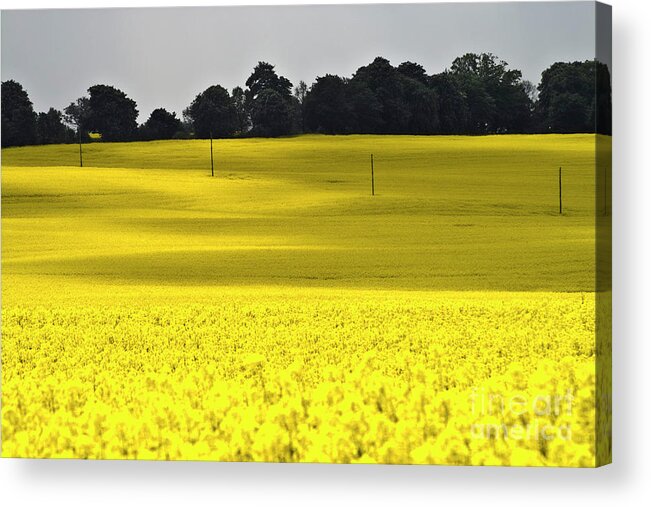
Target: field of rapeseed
{"points": [[279, 313], [457, 379]]}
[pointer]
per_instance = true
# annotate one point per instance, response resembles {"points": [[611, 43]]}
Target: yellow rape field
{"points": [[279, 313], [347, 377]]}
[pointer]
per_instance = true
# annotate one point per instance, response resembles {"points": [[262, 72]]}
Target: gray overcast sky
{"points": [[164, 57]]}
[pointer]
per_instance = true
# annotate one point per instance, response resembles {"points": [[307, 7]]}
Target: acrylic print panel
{"points": [[339, 234]]}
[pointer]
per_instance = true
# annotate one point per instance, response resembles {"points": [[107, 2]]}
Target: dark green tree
{"points": [[365, 109], [50, 128], [296, 115], [161, 124], [496, 96], [575, 97], [300, 93], [212, 112], [264, 77], [242, 113], [386, 83], [327, 106], [77, 115], [452, 104], [472, 73], [568, 113], [266, 89], [603, 115], [112, 113], [18, 117], [413, 71], [271, 114], [422, 103]]}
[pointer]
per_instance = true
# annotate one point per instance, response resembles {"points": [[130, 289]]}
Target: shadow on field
{"points": [[435, 268]]}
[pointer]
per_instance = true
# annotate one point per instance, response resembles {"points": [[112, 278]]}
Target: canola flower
{"points": [[498, 379], [278, 312]]}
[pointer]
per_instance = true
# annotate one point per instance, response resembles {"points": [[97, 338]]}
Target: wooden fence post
{"points": [[372, 177], [212, 161]]}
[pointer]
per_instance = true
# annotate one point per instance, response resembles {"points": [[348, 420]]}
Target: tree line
{"points": [[478, 94]]}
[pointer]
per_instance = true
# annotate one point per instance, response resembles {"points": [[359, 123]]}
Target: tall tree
{"points": [[567, 96], [112, 113], [300, 93], [264, 77], [296, 115], [365, 109], [242, 113], [270, 99], [422, 103], [603, 114], [472, 73], [327, 108], [18, 117], [212, 113], [161, 124], [452, 104], [271, 114], [533, 121], [50, 128], [385, 82], [413, 71], [531, 90], [496, 97], [77, 116]]}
